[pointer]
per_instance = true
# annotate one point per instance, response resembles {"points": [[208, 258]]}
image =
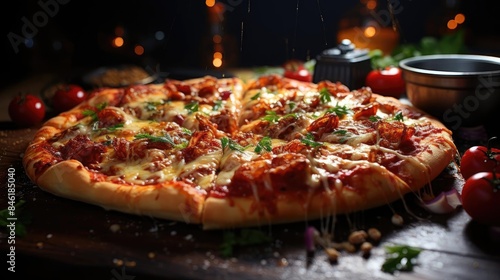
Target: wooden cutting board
{"points": [[73, 240]]}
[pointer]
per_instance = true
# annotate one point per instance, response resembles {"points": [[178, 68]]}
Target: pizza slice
{"points": [[148, 150]]}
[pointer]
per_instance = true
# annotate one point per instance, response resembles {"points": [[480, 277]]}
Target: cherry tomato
{"points": [[26, 110], [481, 198], [480, 159], [388, 81], [68, 96], [295, 69]]}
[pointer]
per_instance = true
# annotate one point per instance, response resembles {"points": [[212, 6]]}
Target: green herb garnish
{"points": [[340, 132], [92, 113], [217, 105], [114, 127], [374, 118], [151, 106], [186, 131], [256, 96], [309, 141], [192, 107], [162, 139], [15, 215], [246, 237], [339, 110], [264, 144], [399, 116], [324, 96], [226, 142], [271, 116], [400, 258]]}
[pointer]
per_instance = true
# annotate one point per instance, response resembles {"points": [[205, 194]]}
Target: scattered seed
{"points": [[357, 237], [333, 254], [374, 234]]}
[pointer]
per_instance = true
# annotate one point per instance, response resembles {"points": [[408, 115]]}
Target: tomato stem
{"points": [[490, 155]]}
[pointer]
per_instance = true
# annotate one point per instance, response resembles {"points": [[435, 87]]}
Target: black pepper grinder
{"points": [[344, 63]]}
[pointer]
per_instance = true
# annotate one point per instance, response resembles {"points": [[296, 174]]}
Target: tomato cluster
{"points": [[29, 109], [480, 167]]}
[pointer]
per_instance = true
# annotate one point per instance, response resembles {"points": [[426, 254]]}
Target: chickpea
{"points": [[358, 237], [333, 255], [397, 220], [366, 248], [374, 234]]}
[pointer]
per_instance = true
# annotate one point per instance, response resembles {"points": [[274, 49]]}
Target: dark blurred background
{"points": [[69, 37]]}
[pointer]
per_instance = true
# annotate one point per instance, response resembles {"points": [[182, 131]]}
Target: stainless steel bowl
{"points": [[460, 90]]}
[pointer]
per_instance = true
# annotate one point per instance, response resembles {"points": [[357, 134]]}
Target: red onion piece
{"points": [[309, 239], [445, 202]]}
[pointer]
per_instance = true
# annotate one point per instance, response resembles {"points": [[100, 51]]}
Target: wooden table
{"points": [[73, 240]]}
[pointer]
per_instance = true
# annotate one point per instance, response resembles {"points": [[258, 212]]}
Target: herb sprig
{"points": [[264, 144], [324, 96], [309, 141], [162, 139], [339, 110], [245, 237], [231, 144], [400, 258]]}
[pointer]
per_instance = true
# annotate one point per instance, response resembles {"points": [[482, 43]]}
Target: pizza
{"points": [[223, 153]]}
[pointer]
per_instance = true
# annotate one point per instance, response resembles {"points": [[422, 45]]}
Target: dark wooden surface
{"points": [[72, 240]]}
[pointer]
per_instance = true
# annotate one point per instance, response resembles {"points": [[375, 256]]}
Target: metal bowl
{"points": [[460, 90]]}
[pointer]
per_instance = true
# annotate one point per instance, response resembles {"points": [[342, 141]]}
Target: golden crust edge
{"points": [[173, 201]]}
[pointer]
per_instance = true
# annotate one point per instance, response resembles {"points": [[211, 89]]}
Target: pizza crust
{"points": [[171, 200]]}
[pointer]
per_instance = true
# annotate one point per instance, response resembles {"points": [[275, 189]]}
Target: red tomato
{"points": [[26, 110], [388, 81], [479, 159], [68, 96], [295, 69], [481, 198]]}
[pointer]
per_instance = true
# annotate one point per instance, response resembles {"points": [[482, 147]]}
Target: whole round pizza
{"points": [[225, 153]]}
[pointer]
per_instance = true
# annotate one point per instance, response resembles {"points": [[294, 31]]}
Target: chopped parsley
{"points": [[374, 118], [186, 131], [256, 96], [93, 113], [309, 141], [231, 144], [217, 105], [264, 144], [114, 127], [340, 132], [398, 116], [90, 113], [192, 107], [324, 95], [291, 106], [339, 110], [162, 139], [246, 237], [271, 116], [400, 258], [151, 106]]}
